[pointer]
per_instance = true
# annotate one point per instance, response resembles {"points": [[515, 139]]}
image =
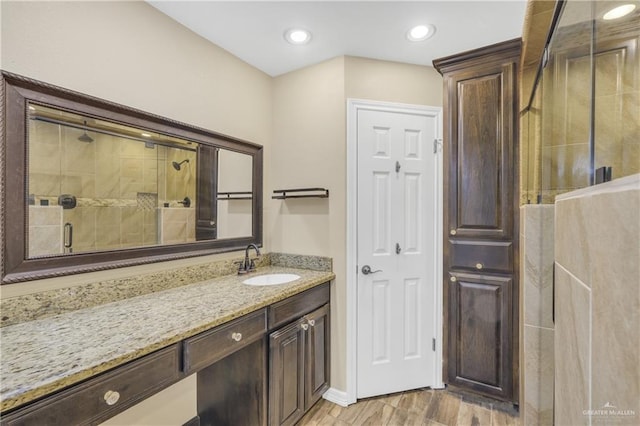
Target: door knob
{"points": [[366, 269]]}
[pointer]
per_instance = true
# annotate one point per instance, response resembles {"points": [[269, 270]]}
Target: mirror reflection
{"points": [[234, 194], [97, 186]]}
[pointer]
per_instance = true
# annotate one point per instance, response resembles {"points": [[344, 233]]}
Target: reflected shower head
{"points": [[85, 137], [177, 165]]}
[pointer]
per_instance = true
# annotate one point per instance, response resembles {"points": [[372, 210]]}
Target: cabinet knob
{"points": [[305, 326], [479, 266], [453, 279], [312, 323], [452, 232], [111, 397], [236, 336]]}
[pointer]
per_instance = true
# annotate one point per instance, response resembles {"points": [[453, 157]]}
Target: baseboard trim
{"points": [[338, 397]]}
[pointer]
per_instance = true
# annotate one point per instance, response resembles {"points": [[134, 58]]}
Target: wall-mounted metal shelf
{"points": [[283, 194], [237, 195]]}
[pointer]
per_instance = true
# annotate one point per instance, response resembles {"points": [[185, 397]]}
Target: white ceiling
{"points": [[253, 30]]}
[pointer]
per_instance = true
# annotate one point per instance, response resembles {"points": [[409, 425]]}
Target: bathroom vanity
{"points": [[261, 353]]}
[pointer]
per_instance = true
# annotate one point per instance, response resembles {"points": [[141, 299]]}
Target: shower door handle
{"points": [[68, 237]]}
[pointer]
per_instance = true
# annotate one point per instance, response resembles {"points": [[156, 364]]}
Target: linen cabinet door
{"points": [[286, 374], [317, 355], [480, 327]]}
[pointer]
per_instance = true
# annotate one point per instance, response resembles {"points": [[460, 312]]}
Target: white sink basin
{"points": [[271, 279]]}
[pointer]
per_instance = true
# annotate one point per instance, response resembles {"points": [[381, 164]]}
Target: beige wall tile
{"points": [[572, 226], [572, 349], [631, 118], [45, 240], [83, 220], [45, 215], [131, 149], [539, 375], [565, 167], [616, 303], [538, 258]]}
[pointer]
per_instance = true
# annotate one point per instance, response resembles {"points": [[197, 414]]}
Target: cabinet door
{"points": [[480, 327], [233, 390], [286, 374], [480, 153], [317, 355]]}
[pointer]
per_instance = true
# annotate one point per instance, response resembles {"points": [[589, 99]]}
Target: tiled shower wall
{"points": [[597, 304], [113, 179], [536, 242]]}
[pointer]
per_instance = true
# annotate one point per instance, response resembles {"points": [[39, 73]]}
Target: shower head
{"points": [[177, 165], [85, 137]]}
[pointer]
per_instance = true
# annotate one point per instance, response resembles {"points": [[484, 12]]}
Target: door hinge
{"points": [[433, 345], [436, 143]]}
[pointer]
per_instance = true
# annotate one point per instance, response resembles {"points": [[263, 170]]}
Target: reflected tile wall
{"points": [[598, 304], [177, 225], [45, 230]]}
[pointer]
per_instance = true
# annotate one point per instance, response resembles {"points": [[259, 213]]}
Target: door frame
{"points": [[353, 106]]}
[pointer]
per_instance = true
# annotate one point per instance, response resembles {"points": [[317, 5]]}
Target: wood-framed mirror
{"points": [[90, 185]]}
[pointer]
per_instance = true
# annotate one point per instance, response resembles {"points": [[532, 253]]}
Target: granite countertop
{"points": [[42, 356]]}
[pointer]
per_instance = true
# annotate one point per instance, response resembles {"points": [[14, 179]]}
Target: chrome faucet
{"points": [[248, 265]]}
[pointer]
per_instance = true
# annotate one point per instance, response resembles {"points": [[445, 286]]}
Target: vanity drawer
{"points": [[103, 396], [204, 349], [491, 256], [296, 306]]}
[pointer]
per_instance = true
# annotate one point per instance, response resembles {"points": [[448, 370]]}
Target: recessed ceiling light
{"points": [[297, 36], [421, 32], [619, 12]]}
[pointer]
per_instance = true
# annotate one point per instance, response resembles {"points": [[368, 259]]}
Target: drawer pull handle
{"points": [[111, 397], [305, 326], [453, 232], [236, 336], [312, 323], [479, 266]]}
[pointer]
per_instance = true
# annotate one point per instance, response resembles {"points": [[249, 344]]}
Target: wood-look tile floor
{"points": [[419, 407]]}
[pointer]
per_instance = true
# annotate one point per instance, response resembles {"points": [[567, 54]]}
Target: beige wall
{"points": [[309, 150], [309, 112], [149, 62], [392, 82]]}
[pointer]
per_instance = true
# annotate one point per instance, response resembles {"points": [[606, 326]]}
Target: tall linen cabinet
{"points": [[481, 220]]}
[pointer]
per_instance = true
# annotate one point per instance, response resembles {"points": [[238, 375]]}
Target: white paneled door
{"points": [[396, 246]]}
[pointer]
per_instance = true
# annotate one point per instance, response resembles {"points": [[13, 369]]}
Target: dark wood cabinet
{"points": [[244, 375], [233, 391], [104, 396], [481, 219], [481, 356], [286, 374], [317, 353], [231, 361], [299, 364]]}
